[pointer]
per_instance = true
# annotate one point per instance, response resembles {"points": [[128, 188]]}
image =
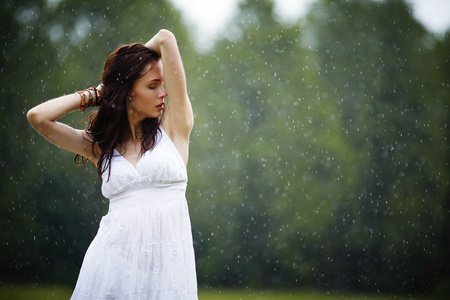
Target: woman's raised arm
{"points": [[178, 119], [44, 119]]}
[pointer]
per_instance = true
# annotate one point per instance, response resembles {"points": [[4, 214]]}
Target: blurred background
{"points": [[319, 157]]}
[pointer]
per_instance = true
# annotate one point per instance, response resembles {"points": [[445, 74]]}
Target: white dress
{"points": [[143, 248]]}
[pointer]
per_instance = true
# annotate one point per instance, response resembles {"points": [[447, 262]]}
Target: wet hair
{"points": [[107, 124]]}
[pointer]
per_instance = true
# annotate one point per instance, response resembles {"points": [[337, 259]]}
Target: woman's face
{"points": [[147, 93]]}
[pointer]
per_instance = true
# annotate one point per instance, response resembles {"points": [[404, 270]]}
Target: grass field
{"points": [[41, 292]]}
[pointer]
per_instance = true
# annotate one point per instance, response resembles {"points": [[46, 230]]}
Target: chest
{"points": [[159, 166]]}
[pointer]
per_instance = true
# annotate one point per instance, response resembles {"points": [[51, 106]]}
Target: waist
{"points": [[147, 195]]}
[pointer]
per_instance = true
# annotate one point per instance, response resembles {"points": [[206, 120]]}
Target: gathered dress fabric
{"points": [[143, 248]]}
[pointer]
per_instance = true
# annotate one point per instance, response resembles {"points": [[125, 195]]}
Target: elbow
{"points": [[33, 117], [166, 35]]}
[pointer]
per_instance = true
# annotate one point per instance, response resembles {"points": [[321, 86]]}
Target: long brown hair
{"points": [[107, 124]]}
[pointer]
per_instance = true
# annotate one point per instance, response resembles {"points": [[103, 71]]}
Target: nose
{"points": [[164, 93]]}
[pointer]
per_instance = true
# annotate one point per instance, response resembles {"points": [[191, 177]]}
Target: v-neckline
{"points": [[135, 167]]}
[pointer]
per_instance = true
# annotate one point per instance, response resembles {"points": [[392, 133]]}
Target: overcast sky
{"points": [[207, 17]]}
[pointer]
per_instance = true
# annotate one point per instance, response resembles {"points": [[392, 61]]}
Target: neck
{"points": [[134, 133], [135, 129]]}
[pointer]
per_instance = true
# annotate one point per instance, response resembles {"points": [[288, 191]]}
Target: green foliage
{"points": [[319, 155], [375, 58]]}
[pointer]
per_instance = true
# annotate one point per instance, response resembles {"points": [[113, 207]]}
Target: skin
{"points": [[146, 97], [178, 119]]}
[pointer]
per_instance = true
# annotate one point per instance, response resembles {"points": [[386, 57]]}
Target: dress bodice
{"points": [[160, 167]]}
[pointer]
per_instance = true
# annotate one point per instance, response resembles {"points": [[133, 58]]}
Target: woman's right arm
{"points": [[44, 119]]}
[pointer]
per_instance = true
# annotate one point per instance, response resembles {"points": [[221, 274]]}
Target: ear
{"points": [[130, 96]]}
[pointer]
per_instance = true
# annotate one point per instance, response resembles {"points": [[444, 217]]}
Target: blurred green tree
{"points": [[327, 125], [382, 68], [282, 156]]}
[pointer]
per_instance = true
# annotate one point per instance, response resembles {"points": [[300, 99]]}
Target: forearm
{"points": [[156, 42], [165, 44], [44, 119], [54, 109]]}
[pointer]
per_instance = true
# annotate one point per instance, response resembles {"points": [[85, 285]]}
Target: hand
{"points": [[100, 89]]}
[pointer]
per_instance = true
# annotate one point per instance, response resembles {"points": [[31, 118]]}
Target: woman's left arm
{"points": [[178, 119]]}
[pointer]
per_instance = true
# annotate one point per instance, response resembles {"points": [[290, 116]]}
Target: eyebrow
{"points": [[156, 79]]}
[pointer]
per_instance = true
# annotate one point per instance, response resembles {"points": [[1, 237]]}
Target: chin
{"points": [[153, 117]]}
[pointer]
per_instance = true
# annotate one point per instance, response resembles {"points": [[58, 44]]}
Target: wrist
{"points": [[89, 98]]}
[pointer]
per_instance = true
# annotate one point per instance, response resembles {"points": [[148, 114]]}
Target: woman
{"points": [[139, 143]]}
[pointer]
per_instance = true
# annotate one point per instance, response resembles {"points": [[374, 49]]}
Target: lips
{"points": [[160, 106]]}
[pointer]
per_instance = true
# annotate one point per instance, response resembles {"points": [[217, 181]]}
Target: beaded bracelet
{"points": [[98, 96], [90, 102]]}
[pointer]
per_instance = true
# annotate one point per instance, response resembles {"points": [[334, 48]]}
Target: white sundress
{"points": [[143, 248]]}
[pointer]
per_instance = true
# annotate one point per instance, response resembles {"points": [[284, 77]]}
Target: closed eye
{"points": [[153, 84]]}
